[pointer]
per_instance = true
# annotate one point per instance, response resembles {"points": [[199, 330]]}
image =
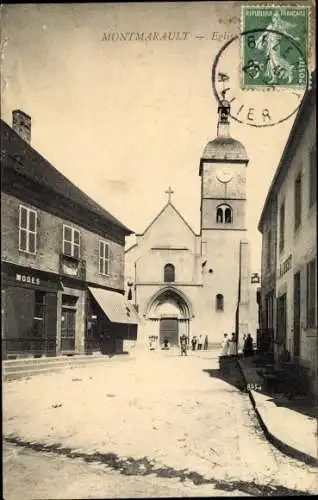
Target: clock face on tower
{"points": [[224, 175]]}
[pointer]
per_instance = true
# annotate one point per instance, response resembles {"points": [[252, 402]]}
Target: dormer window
{"points": [[224, 214]]}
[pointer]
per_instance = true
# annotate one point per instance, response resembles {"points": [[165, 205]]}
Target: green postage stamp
{"points": [[274, 46]]}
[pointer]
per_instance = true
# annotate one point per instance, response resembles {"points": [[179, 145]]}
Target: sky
{"points": [[124, 119]]}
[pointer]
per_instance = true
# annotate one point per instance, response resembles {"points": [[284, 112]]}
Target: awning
{"points": [[114, 306]]}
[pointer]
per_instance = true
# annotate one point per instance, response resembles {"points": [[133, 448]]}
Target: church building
{"points": [[187, 283]]}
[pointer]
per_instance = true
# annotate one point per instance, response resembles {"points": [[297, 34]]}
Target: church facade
{"points": [[187, 283]]}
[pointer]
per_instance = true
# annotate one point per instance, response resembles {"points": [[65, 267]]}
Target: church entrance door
{"points": [[169, 329]]}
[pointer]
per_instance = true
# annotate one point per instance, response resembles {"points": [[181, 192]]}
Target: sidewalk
{"points": [[291, 426]]}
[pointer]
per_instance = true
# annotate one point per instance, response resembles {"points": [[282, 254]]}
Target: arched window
{"points": [[224, 214], [219, 216], [228, 215], [169, 274], [219, 302]]}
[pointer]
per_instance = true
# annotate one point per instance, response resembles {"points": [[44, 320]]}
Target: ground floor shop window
{"points": [[94, 338], [29, 322], [38, 339]]}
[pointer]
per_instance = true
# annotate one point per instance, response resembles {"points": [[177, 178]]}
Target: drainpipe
{"points": [[237, 316], [135, 287], [135, 265]]}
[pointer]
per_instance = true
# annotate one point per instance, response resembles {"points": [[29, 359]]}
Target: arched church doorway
{"points": [[169, 328], [168, 314]]}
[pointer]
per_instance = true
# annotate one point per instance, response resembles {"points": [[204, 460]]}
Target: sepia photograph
{"points": [[159, 249]]}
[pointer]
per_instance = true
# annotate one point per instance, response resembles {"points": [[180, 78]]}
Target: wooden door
{"points": [[282, 319], [297, 315], [68, 329], [169, 330]]}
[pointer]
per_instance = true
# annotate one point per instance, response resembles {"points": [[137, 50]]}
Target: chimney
{"points": [[21, 124]]}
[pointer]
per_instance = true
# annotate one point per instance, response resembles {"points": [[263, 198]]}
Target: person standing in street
{"points": [[225, 346], [206, 343], [200, 343], [233, 345], [183, 345], [248, 346], [193, 342]]}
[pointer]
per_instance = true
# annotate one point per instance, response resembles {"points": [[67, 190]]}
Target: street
{"points": [[152, 425]]}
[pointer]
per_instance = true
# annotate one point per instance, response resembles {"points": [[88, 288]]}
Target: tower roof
{"points": [[224, 148]]}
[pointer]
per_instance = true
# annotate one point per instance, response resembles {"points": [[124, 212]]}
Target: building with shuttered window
{"points": [[289, 243], [62, 259]]}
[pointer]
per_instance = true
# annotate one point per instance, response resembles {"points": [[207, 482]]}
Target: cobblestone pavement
{"points": [[157, 425]]}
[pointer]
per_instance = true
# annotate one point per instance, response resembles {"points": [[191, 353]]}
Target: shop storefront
{"points": [[110, 321], [29, 312], [45, 314]]}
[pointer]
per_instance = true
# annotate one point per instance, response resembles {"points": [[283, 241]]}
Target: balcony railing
{"points": [[26, 346]]}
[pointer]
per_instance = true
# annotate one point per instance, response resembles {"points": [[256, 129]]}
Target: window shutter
{"points": [[76, 237], [101, 250], [67, 235]]}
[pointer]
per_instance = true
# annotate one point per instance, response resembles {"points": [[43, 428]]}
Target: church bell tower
{"points": [[223, 178], [223, 168]]}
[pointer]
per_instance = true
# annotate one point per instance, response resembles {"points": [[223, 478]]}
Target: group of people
{"points": [[196, 342], [229, 345]]}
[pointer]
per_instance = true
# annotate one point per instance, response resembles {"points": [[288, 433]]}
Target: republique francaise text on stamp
{"points": [[277, 56]]}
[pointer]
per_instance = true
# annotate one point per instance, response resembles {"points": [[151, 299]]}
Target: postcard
{"points": [[159, 249]]}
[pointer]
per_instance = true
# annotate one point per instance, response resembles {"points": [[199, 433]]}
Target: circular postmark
{"points": [[274, 99]]}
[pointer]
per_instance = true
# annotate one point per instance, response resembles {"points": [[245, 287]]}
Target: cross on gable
{"points": [[169, 192]]}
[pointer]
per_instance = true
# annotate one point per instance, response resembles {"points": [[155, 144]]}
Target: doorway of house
{"points": [[68, 323], [282, 320], [169, 328], [297, 315], [68, 330]]}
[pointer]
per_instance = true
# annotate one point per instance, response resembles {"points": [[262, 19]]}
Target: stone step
{"points": [[55, 359], [57, 363], [31, 371], [29, 362], [44, 359]]}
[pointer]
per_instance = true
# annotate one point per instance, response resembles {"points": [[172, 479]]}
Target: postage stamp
{"points": [[247, 105], [275, 52]]}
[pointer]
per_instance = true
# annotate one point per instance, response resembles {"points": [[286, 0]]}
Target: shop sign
{"points": [[27, 279], [285, 266], [70, 268], [255, 278]]}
